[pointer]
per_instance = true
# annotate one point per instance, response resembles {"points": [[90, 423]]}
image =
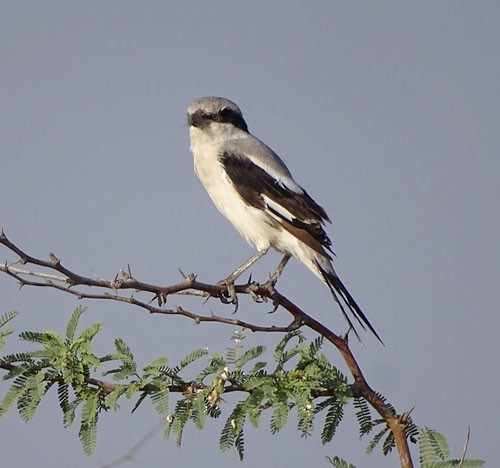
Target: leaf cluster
{"points": [[64, 362], [299, 380], [367, 424], [433, 448], [435, 453], [299, 376]]}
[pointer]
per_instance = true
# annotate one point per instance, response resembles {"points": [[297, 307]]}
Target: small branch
{"points": [[186, 387], [19, 271], [138, 446], [466, 446]]}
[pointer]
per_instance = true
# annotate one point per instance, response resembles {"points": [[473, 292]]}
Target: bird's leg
{"points": [[229, 281], [239, 271], [273, 279]]}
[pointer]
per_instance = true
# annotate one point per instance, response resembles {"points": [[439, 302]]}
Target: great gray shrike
{"points": [[254, 190]]}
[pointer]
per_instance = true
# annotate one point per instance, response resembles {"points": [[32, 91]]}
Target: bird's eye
{"points": [[225, 115]]}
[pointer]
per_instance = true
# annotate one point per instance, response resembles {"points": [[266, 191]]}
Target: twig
{"points": [[466, 446], [37, 274], [129, 456]]}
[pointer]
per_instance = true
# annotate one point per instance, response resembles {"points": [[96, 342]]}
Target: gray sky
{"points": [[387, 112]]}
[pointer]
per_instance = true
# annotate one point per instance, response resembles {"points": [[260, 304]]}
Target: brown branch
{"points": [[125, 281], [108, 387]]}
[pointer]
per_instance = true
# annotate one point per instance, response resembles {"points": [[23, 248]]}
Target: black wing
{"points": [[297, 212]]}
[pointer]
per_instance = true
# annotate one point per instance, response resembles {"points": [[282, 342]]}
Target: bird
{"points": [[253, 188]]}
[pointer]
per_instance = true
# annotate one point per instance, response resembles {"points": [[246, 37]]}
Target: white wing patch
{"points": [[276, 207]]}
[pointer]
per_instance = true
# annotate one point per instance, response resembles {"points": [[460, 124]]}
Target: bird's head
{"points": [[207, 111]]}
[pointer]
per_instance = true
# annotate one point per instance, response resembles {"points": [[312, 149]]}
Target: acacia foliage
{"points": [[299, 380]]}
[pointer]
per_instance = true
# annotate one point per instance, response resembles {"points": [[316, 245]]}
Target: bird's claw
{"points": [[269, 287], [252, 289], [161, 298], [229, 295]]}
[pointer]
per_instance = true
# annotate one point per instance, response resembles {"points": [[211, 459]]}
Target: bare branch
{"points": [[466, 446], [68, 281]]}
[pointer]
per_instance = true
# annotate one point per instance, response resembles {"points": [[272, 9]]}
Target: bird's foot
{"points": [[161, 298], [253, 290], [268, 286], [228, 294]]}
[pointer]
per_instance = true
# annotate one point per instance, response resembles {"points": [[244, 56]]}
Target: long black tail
{"points": [[337, 288]]}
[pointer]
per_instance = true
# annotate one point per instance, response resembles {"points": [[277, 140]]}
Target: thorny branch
{"points": [[67, 281]]}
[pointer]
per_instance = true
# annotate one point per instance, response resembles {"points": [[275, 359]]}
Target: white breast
{"points": [[254, 225]]}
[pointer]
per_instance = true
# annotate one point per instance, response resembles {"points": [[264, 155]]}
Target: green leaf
{"points": [[88, 334], [472, 463], [332, 421], [73, 324], [258, 368], [112, 398], [73, 372], [34, 337], [389, 443], [8, 316], [160, 401], [7, 331], [63, 395], [12, 396], [252, 353], [339, 462], [376, 439], [17, 357], [90, 407], [305, 418], [227, 436], [453, 464], [69, 412], [315, 346], [128, 367], [181, 416], [239, 443], [233, 353], [232, 432], [34, 389], [88, 427], [139, 401], [3, 334], [123, 352], [412, 431], [363, 416], [253, 406], [433, 446], [132, 389], [88, 436], [192, 356], [280, 355], [24, 368], [199, 410], [279, 417], [154, 367]]}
